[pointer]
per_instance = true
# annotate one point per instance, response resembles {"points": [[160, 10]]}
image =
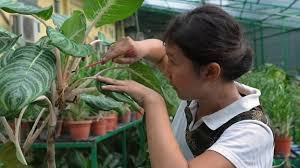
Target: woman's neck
{"points": [[222, 97]]}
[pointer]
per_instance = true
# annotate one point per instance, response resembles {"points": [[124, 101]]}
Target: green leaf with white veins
{"points": [[7, 40], [74, 28], [28, 74], [110, 11], [58, 20], [68, 46], [21, 8]]}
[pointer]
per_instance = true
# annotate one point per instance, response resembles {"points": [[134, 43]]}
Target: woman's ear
{"points": [[213, 71]]}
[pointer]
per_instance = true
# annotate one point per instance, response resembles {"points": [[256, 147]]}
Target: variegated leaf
{"points": [[28, 73], [21, 8], [102, 102], [147, 77], [4, 57], [110, 11], [58, 19], [74, 27], [68, 46], [7, 40]]}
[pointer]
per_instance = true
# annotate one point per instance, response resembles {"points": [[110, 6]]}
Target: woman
{"points": [[220, 124]]}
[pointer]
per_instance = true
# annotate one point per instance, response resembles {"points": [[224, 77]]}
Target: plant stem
{"points": [[17, 142], [51, 132], [40, 20], [95, 41], [58, 70], [30, 141], [29, 136], [8, 129], [2, 138]]}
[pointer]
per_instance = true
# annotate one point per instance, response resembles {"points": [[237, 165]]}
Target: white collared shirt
{"points": [[246, 144]]}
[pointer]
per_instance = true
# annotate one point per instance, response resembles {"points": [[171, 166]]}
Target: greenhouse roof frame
{"points": [[282, 14]]}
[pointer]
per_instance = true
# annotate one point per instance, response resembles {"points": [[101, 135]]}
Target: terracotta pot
{"points": [[125, 118], [283, 145], [65, 127], [112, 122], [115, 120], [99, 127], [80, 130]]}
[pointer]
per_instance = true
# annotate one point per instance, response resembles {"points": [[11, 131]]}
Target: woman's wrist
{"points": [[152, 50], [154, 100]]}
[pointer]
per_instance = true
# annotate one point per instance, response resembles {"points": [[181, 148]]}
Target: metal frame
{"points": [[92, 142], [282, 16]]}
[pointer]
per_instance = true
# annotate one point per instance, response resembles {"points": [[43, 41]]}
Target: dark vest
{"points": [[200, 139]]}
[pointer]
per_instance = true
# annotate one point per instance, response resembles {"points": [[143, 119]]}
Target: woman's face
{"points": [[188, 83]]}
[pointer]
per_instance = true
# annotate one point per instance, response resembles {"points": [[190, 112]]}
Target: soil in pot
{"points": [[80, 130]]}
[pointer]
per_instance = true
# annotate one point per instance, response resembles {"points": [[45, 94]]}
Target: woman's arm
{"points": [[128, 51], [163, 148], [154, 51]]}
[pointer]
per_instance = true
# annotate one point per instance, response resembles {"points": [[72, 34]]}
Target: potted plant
{"points": [[99, 125], [54, 68], [126, 116], [80, 125], [278, 100]]}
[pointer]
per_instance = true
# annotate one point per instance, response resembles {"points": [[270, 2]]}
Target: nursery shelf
{"points": [[91, 143]]}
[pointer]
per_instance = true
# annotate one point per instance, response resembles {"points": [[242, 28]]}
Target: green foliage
{"points": [[29, 73], [7, 40], [144, 71], [103, 102], [79, 111], [68, 46], [5, 57], [43, 42], [279, 96], [103, 39], [74, 27], [107, 11], [121, 97], [58, 20], [21, 8], [8, 156], [32, 112]]}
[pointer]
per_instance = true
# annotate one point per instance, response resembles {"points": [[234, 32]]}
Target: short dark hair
{"points": [[208, 34]]}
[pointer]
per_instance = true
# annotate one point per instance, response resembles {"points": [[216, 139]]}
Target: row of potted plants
{"points": [[280, 99], [80, 122]]}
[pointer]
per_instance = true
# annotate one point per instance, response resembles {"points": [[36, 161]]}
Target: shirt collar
{"points": [[246, 103]]}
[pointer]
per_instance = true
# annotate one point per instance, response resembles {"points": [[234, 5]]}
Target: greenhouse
{"points": [[149, 83]]}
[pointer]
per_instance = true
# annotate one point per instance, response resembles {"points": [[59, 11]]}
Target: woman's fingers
{"points": [[109, 80], [123, 48], [115, 88], [124, 60], [111, 55]]}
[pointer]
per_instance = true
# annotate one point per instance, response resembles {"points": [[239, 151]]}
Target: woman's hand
{"points": [[125, 51], [140, 93]]}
